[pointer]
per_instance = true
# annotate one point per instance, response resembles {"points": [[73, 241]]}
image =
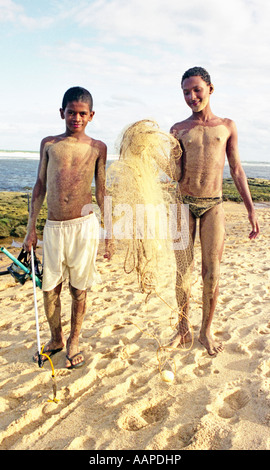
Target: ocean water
{"points": [[18, 170]]}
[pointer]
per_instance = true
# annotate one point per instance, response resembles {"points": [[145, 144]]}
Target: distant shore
{"points": [[259, 188], [14, 206]]}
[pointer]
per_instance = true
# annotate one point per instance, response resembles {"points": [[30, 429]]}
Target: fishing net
{"points": [[147, 213]]}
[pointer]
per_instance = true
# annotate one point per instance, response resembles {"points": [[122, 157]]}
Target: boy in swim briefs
{"points": [[205, 140], [68, 164]]}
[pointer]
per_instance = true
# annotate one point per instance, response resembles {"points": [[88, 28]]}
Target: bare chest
{"points": [[204, 140], [70, 166]]}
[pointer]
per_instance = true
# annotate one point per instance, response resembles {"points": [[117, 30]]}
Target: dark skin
{"points": [[206, 139], [68, 164]]}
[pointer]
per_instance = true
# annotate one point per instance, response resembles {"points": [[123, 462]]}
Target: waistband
{"points": [[71, 222], [199, 200]]}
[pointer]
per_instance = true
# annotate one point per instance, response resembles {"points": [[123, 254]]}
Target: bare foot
{"points": [[109, 249], [213, 347], [180, 339]]}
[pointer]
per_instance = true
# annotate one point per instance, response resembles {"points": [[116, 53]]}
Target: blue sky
{"points": [[131, 56]]}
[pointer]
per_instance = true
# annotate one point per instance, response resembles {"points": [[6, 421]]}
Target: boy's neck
{"points": [[203, 116], [80, 136]]}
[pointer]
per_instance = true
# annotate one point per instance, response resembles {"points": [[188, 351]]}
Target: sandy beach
{"points": [[118, 400]]}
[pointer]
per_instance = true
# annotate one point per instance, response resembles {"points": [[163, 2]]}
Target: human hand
{"points": [[29, 241], [255, 227]]}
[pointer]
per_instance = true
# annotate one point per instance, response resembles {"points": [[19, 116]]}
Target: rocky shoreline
{"points": [[14, 206]]}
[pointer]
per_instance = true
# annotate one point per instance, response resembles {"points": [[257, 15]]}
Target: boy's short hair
{"points": [[77, 93], [197, 72]]}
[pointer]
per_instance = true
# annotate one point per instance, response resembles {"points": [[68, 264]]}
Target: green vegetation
{"points": [[14, 214], [259, 188], [14, 206]]}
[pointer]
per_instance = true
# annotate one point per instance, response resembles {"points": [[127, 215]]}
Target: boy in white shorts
{"points": [[69, 251], [68, 163]]}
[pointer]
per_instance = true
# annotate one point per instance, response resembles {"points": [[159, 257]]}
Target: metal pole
{"points": [[35, 305]]}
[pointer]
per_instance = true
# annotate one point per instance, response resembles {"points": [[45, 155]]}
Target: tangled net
{"points": [[137, 190], [142, 184]]}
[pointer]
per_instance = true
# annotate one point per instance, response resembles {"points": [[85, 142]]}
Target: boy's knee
{"points": [[76, 294], [211, 282], [52, 295]]}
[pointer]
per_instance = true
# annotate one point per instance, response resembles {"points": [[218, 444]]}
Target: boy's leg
{"points": [[184, 267], [212, 231], [52, 307], [78, 309]]}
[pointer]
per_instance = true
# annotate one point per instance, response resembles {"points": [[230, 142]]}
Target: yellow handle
{"points": [[53, 377]]}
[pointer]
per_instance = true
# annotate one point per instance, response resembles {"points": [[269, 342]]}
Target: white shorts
{"points": [[69, 251]]}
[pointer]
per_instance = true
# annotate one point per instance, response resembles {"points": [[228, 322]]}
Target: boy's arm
{"points": [[38, 196], [176, 155], [100, 192], [100, 177], [240, 179]]}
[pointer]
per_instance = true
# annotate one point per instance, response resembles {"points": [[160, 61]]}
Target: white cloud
{"points": [[9, 10], [158, 40], [12, 12], [154, 20]]}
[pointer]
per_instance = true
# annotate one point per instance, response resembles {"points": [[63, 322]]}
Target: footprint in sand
{"points": [[132, 422], [203, 366], [183, 436], [136, 383], [232, 403], [135, 420], [258, 344], [209, 435], [81, 442], [264, 368]]}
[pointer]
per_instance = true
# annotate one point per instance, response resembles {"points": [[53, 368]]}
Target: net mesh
{"points": [[148, 215]]}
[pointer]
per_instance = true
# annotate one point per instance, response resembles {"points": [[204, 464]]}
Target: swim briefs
{"points": [[199, 205], [69, 251]]}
